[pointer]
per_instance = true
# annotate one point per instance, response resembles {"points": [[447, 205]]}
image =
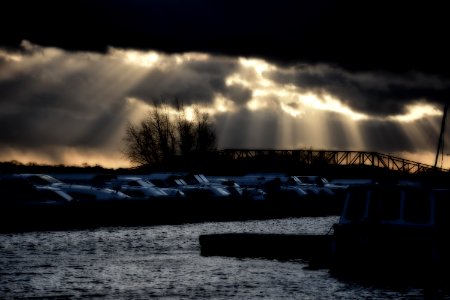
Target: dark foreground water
{"points": [[164, 262]]}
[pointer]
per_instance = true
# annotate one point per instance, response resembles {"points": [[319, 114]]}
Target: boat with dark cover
{"points": [[384, 232]]}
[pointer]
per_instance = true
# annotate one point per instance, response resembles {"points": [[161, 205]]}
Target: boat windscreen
{"points": [[356, 205], [385, 204], [417, 207], [442, 208]]}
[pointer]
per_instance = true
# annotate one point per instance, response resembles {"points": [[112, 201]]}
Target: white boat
{"points": [[136, 187], [78, 192], [202, 192], [20, 193]]}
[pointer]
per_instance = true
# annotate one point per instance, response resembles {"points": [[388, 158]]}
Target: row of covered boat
{"points": [[45, 189], [36, 200]]}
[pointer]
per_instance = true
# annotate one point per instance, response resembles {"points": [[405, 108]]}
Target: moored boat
{"points": [[385, 231], [393, 230]]}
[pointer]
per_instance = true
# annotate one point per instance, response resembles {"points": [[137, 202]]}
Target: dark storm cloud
{"points": [[191, 82], [78, 99], [356, 35], [47, 103], [374, 93], [238, 93], [381, 54], [52, 99]]}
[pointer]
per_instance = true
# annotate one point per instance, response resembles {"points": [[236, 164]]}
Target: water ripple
{"points": [[164, 262]]}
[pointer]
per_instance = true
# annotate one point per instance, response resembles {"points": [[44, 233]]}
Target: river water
{"points": [[164, 262]]}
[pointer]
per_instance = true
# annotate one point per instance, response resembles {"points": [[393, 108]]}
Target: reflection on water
{"points": [[164, 261]]}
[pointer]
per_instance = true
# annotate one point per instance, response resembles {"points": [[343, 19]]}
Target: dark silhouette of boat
{"points": [[392, 231]]}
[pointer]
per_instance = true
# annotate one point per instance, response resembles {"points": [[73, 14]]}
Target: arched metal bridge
{"points": [[309, 157]]}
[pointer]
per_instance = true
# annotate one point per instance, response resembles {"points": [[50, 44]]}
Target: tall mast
{"points": [[440, 146]]}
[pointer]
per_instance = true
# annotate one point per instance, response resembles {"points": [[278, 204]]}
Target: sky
{"points": [[359, 75]]}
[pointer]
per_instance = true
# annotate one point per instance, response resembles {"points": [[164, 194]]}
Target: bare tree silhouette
{"points": [[159, 138]]}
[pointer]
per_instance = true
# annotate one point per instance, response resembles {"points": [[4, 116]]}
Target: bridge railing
{"points": [[333, 157]]}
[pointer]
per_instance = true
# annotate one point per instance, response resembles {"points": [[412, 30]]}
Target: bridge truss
{"points": [[351, 158]]}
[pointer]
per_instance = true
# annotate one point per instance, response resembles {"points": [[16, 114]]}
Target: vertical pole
{"points": [[441, 135]]}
